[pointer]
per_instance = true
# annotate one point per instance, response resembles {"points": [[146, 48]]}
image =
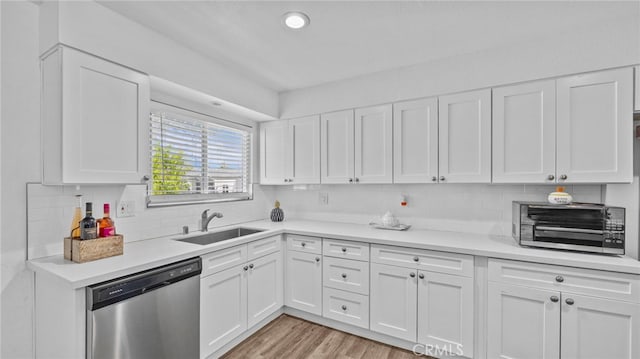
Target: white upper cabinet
{"points": [[274, 152], [524, 133], [357, 147], [637, 91], [290, 151], [415, 141], [95, 120], [465, 137], [304, 163], [374, 144], [595, 127], [336, 144]]}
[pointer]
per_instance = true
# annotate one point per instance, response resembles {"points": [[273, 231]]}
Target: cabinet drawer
{"points": [[613, 285], [346, 274], [223, 259], [304, 243], [441, 262], [346, 307], [345, 249], [262, 247]]}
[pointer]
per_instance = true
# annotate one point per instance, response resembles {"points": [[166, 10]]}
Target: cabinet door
{"points": [[274, 152], [595, 127], [415, 141], [599, 328], [465, 137], [223, 308], [394, 295], [264, 287], [445, 312], [336, 147], [303, 284], [524, 133], [105, 122], [523, 323], [374, 144], [304, 154], [637, 88]]}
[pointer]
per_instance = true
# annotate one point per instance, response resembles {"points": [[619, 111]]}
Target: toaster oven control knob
{"points": [[551, 177], [559, 279], [563, 177], [554, 298], [569, 301]]}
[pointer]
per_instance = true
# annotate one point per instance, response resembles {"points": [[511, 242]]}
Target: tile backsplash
{"points": [[50, 209], [474, 208]]}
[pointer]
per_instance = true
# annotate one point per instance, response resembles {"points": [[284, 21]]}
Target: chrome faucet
{"points": [[206, 219]]}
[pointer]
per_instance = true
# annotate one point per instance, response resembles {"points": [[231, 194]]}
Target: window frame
{"points": [[199, 198]]}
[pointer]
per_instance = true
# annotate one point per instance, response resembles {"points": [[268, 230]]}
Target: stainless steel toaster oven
{"points": [[586, 227]]}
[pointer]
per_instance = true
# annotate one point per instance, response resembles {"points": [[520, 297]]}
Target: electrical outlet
{"points": [[323, 198], [126, 209]]}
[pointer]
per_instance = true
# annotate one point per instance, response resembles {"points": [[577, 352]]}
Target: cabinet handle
{"points": [[350, 180], [559, 279], [554, 298], [344, 275], [421, 276], [145, 178], [569, 301], [251, 266], [290, 179], [357, 179], [563, 177], [286, 180], [442, 178], [303, 244], [317, 259], [344, 250], [434, 179], [551, 177], [344, 307], [245, 268], [412, 275], [416, 259]]}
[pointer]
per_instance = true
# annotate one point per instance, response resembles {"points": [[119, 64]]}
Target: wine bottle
{"points": [[77, 217], [88, 224], [106, 227]]}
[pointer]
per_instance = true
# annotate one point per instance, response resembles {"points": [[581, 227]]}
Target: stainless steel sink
{"points": [[215, 237]]}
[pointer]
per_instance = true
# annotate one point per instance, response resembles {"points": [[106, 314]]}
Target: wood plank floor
{"points": [[290, 337]]}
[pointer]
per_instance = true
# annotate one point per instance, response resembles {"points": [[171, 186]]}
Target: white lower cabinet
{"points": [[236, 299], [264, 287], [523, 322], [548, 319], [599, 328], [394, 296], [223, 308], [445, 312], [303, 283]]}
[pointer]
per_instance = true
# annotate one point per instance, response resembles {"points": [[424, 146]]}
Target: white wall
{"points": [[20, 164], [597, 47], [93, 28], [472, 208]]}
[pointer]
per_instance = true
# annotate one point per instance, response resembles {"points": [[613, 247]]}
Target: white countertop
{"points": [[147, 254]]}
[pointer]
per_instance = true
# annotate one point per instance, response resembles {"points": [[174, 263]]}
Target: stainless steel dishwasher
{"points": [[152, 314]]}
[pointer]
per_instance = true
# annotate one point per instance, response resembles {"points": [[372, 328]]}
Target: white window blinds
{"points": [[195, 158]]}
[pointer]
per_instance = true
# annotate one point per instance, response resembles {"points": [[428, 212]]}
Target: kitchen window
{"points": [[197, 158]]}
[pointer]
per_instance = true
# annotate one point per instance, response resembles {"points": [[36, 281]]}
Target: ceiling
{"points": [[352, 38]]}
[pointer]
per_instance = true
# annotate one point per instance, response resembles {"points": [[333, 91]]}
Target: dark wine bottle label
{"points": [[88, 233]]}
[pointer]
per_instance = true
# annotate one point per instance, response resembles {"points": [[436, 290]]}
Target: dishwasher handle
{"points": [[107, 293]]}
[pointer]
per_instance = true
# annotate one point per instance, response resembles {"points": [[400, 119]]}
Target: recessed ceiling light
{"points": [[296, 20]]}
